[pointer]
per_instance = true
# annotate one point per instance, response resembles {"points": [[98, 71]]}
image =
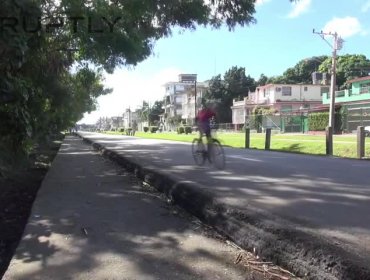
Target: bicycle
{"points": [[215, 156]]}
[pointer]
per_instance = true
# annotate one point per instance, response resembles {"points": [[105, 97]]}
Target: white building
{"points": [[283, 98], [188, 101], [180, 97], [130, 119]]}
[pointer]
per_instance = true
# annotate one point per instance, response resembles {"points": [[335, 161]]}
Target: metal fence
{"points": [[286, 123], [355, 117], [350, 119]]}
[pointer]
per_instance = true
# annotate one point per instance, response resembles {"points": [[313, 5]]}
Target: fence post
{"points": [[360, 142], [329, 140], [247, 138], [268, 139]]}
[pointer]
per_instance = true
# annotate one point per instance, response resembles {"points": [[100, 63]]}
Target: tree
{"points": [[262, 80], [301, 73], [143, 112], [349, 66], [234, 85], [131, 27], [155, 111], [215, 94], [38, 92], [237, 84]]}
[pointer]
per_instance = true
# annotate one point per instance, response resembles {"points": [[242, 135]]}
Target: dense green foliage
{"points": [[318, 121], [349, 66], [299, 73], [235, 85]]}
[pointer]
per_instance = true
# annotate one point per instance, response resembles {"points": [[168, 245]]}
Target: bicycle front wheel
{"points": [[198, 151], [217, 154]]}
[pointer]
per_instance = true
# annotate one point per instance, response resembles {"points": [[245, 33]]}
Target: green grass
{"points": [[344, 146]]}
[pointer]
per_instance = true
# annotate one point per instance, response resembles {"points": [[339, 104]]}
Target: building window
{"points": [[286, 91], [324, 90], [286, 108], [365, 88]]}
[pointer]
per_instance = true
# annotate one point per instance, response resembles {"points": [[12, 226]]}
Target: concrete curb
{"points": [[306, 255]]}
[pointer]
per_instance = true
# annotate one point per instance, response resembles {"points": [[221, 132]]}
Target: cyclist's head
{"points": [[204, 104]]}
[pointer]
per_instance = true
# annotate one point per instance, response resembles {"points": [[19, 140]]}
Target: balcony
{"points": [[238, 102], [348, 95]]}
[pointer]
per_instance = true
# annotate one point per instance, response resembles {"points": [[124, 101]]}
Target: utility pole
{"points": [[195, 99], [338, 43]]}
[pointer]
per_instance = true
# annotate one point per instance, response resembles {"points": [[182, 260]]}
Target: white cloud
{"points": [[299, 8], [130, 89], [365, 7], [261, 2], [345, 27]]}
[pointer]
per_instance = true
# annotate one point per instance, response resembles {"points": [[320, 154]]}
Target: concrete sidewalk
{"points": [[92, 220]]}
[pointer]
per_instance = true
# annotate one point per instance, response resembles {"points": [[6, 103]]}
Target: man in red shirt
{"points": [[203, 119]]}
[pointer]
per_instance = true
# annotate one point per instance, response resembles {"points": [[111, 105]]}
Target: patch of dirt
{"points": [[16, 198]]}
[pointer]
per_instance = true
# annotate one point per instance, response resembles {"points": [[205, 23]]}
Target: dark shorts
{"points": [[205, 128]]}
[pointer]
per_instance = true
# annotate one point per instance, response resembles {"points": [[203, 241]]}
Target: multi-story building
{"points": [[281, 98], [355, 101], [116, 122], [103, 123], [182, 98], [173, 98], [130, 119], [359, 93], [190, 103]]}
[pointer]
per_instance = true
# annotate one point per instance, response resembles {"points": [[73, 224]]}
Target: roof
{"points": [[359, 79]]}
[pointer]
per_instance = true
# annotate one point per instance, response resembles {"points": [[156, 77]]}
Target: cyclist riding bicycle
{"points": [[213, 152], [204, 118]]}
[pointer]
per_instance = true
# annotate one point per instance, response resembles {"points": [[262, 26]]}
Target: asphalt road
{"points": [[324, 195]]}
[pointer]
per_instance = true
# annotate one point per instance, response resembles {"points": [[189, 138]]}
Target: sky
{"points": [[281, 37]]}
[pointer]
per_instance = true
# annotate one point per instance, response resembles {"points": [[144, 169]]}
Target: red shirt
{"points": [[205, 114]]}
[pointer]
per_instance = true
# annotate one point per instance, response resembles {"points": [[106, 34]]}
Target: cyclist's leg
{"points": [[207, 133]]}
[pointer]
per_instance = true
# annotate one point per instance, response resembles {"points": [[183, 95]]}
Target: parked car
{"points": [[367, 131]]}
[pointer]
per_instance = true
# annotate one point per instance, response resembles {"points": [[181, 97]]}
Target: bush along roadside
{"points": [[184, 129]]}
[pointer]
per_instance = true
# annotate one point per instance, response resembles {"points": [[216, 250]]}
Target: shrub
{"points": [[187, 129], [180, 130], [318, 121], [146, 129], [153, 129], [121, 129]]}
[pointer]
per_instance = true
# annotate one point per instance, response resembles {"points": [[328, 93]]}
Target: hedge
{"points": [[319, 121]]}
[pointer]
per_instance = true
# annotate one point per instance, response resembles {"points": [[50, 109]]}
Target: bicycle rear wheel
{"points": [[198, 151], [217, 154]]}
